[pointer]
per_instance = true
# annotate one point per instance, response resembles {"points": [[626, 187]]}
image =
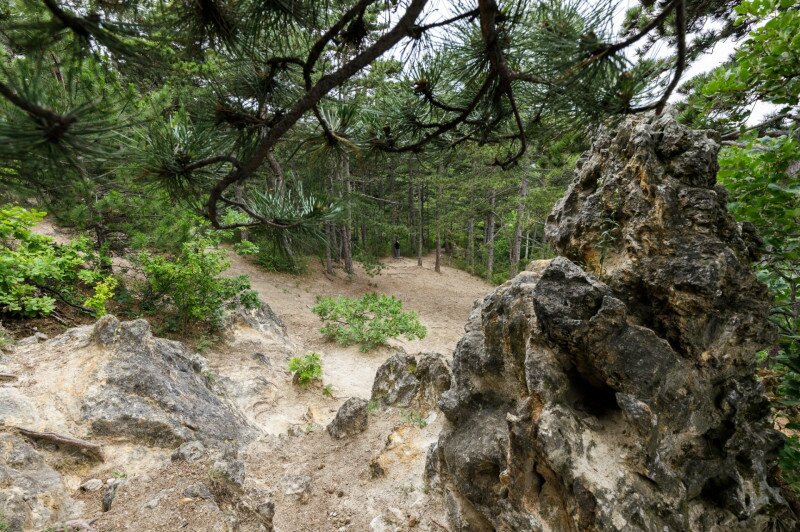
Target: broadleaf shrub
{"points": [[35, 271], [369, 321], [189, 287], [306, 369]]}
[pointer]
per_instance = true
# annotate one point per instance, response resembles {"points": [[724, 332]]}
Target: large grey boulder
{"points": [[153, 390], [613, 388]]}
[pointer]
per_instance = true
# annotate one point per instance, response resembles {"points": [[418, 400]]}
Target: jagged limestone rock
{"points": [[351, 419], [405, 380], [612, 388]]}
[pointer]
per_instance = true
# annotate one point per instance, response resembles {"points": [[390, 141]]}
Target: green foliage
{"points": [[306, 369], [189, 288], [327, 390], [369, 321], [246, 248], [35, 272], [790, 458], [103, 291], [415, 418]]}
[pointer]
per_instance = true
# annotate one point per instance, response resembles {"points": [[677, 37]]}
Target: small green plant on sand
{"points": [[415, 418], [327, 390], [369, 321], [306, 369]]}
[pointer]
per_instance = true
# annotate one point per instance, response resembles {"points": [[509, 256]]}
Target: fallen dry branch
{"points": [[87, 447], [5, 377]]}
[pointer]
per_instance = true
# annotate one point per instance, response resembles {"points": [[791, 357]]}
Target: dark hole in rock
{"points": [[719, 436], [593, 397], [745, 463], [717, 490]]}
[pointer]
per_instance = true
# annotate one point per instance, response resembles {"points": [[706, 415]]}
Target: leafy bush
{"points": [[307, 368], [189, 287], [245, 248], [35, 271], [369, 321]]}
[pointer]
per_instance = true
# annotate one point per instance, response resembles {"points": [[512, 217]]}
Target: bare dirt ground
{"points": [[443, 302]]}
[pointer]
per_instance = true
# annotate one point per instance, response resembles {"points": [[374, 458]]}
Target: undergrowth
{"points": [[369, 321]]}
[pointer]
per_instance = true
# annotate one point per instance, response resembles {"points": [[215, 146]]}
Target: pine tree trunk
{"points": [[527, 244], [347, 247], [419, 237], [277, 172], [515, 246], [437, 267], [471, 244], [328, 243], [490, 238], [411, 223], [364, 238]]}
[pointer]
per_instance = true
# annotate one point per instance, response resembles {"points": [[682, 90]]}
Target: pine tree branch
{"points": [[322, 42], [646, 30], [312, 97], [73, 23], [34, 110], [447, 126], [469, 14], [680, 29]]}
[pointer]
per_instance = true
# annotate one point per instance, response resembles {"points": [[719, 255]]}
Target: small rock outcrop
{"points": [[152, 389], [32, 494], [613, 387], [405, 380], [351, 419]]}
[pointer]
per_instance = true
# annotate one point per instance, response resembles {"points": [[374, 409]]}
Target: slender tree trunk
{"points": [[471, 244], [329, 242], [527, 244], [419, 237], [515, 246], [347, 248], [410, 206], [364, 237], [437, 267], [490, 238], [438, 220]]}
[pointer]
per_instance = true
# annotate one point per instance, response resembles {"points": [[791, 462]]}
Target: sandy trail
{"points": [[443, 302]]}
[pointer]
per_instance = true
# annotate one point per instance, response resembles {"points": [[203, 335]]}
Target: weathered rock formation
{"points": [[351, 419], [32, 494], [612, 388], [406, 380], [155, 390]]}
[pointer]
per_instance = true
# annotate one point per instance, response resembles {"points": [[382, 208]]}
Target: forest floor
{"points": [[343, 492], [443, 302]]}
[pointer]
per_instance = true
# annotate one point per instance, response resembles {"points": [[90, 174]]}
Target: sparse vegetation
{"points": [[369, 321], [306, 369], [413, 417]]}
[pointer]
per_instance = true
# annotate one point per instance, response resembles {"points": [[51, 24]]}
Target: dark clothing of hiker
{"points": [[396, 248]]}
